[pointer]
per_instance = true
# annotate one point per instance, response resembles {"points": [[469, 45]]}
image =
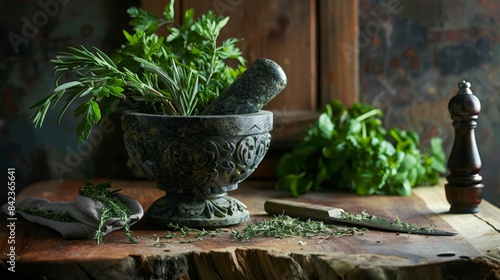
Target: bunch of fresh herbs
{"points": [[349, 149], [179, 74]]}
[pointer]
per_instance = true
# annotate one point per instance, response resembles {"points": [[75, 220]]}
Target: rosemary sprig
{"points": [[49, 214], [284, 226], [182, 85], [113, 207]]}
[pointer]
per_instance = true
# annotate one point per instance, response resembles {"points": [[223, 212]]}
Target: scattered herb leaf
{"points": [[187, 235]]}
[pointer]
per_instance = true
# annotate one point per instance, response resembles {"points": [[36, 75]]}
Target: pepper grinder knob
{"points": [[464, 190]]}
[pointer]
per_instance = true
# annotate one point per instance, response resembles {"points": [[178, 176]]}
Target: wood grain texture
{"points": [[281, 30], [302, 36], [338, 51], [42, 252], [481, 237]]}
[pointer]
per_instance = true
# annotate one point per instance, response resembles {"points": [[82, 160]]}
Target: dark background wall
{"points": [[32, 32], [411, 58]]}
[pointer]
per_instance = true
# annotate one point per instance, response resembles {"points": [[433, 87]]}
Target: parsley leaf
{"points": [[349, 149]]}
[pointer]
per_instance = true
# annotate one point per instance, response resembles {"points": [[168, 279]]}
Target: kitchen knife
{"points": [[330, 214]]}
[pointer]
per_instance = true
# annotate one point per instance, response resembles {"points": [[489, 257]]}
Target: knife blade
{"points": [[330, 214]]}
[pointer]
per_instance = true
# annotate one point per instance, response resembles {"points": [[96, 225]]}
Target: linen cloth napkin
{"points": [[84, 210]]}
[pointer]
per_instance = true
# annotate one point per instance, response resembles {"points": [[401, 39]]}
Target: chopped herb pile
{"points": [[113, 207], [49, 214], [284, 226], [364, 216], [281, 226], [349, 149]]}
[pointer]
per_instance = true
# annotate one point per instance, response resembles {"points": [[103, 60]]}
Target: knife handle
{"points": [[302, 210]]}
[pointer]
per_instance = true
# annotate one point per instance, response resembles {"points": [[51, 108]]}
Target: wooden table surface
{"points": [[472, 254]]}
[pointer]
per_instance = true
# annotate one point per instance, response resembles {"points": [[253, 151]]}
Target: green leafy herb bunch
{"points": [[349, 149], [177, 74]]}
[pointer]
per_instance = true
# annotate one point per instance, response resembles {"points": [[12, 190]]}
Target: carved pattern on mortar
{"points": [[206, 161], [137, 151], [209, 159], [220, 207]]}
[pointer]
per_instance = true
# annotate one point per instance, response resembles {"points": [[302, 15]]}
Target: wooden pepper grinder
{"points": [[464, 190]]}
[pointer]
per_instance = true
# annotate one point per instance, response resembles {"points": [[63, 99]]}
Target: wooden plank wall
{"points": [[338, 51], [281, 30], [302, 36]]}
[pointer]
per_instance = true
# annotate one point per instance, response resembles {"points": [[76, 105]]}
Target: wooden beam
{"points": [[281, 30], [338, 51]]}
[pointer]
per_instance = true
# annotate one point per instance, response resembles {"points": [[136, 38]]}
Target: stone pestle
{"points": [[251, 91]]}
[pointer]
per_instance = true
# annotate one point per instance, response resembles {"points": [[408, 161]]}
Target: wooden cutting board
{"points": [[41, 251]]}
